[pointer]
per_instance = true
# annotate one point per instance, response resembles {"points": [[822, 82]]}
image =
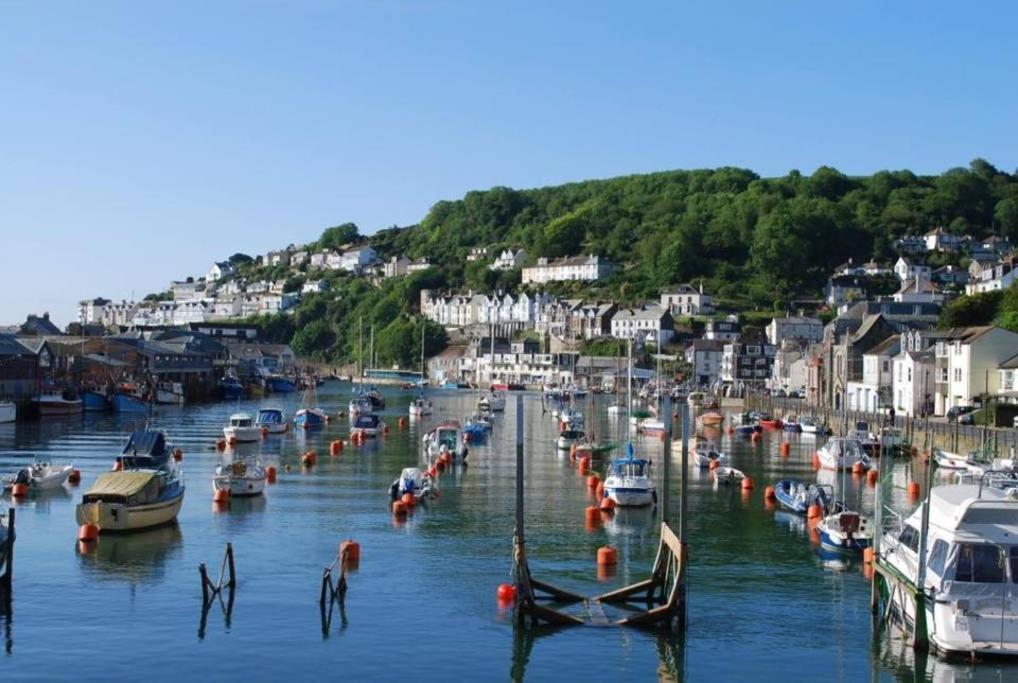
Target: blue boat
{"points": [[232, 388], [129, 403], [281, 385], [146, 450], [845, 531], [797, 496], [309, 418], [747, 430], [449, 384], [95, 401]]}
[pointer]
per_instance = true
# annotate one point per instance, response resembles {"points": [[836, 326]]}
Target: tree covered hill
{"points": [[754, 241]]}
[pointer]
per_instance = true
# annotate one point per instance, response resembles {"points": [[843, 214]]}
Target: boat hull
{"points": [[168, 398], [125, 403], [116, 517], [279, 385], [59, 407], [273, 427], [239, 486], [94, 402], [630, 497], [306, 419], [8, 412], [242, 434]]}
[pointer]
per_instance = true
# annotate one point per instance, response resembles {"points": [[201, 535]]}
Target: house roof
{"points": [[918, 285], [797, 320], [9, 346], [889, 346], [1010, 364]]}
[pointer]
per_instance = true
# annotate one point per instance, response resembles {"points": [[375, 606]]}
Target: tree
{"points": [[966, 311], [1005, 218], [338, 235], [313, 340], [239, 259]]}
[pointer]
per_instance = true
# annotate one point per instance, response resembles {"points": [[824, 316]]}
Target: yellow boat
{"points": [[131, 500]]}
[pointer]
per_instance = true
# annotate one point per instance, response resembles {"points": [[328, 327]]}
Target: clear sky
{"points": [[139, 141]]}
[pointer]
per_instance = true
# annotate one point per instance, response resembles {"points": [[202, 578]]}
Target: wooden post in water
{"points": [[684, 518], [5, 580], [667, 458]]}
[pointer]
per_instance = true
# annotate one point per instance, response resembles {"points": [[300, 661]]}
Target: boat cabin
{"points": [[147, 449], [367, 421], [270, 416], [139, 487], [631, 467], [241, 420]]}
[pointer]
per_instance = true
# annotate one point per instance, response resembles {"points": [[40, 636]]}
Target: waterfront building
{"points": [[582, 268]]}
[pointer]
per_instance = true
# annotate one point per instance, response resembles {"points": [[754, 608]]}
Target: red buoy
{"points": [[506, 592], [88, 532], [607, 555]]}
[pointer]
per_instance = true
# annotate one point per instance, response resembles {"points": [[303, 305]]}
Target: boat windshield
{"points": [[446, 437], [270, 416], [240, 422]]}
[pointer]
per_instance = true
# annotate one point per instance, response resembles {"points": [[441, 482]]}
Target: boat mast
{"points": [[629, 390], [422, 349], [491, 368], [360, 349]]}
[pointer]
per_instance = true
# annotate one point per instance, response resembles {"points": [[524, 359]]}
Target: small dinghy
{"points": [[568, 438], [244, 477], [797, 496], [420, 407], [39, 476], [413, 481], [950, 461], [705, 452], [728, 475], [746, 429], [791, 423], [711, 418], [845, 530], [811, 425]]}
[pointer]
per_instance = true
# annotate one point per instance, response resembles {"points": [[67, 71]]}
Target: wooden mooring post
{"points": [[8, 557], [210, 592], [663, 594]]}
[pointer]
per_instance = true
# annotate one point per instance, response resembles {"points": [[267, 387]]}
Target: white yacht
{"points": [[242, 429], [971, 568], [842, 454]]}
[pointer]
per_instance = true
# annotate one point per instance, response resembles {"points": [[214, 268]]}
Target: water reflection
{"points": [[138, 557]]}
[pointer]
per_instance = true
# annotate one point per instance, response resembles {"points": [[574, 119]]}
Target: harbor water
{"points": [[763, 601]]}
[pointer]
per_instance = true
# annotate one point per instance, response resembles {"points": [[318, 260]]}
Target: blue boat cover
{"points": [[146, 443]]}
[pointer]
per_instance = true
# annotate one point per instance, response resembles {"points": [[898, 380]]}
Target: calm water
{"points": [[423, 601]]}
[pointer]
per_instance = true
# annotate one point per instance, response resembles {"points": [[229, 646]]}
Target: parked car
{"points": [[957, 412]]}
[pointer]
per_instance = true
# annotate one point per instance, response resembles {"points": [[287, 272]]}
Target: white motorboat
{"points": [[447, 437], [242, 429], [629, 481], [411, 480], [950, 461], [361, 403], [272, 419], [492, 402], [696, 399], [245, 477], [842, 454], [704, 452], [728, 475], [40, 476], [811, 425], [567, 438], [8, 412], [170, 393], [420, 407], [845, 530], [651, 425], [368, 425], [970, 567]]}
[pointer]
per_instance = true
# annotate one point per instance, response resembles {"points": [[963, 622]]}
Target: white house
{"points": [[314, 287], [649, 324], [913, 382], [728, 329], [396, 266], [907, 269], [278, 258], [704, 357], [354, 260], [919, 290], [687, 300], [90, 311], [800, 328], [988, 278], [299, 258], [509, 259], [477, 254], [277, 303], [320, 259], [583, 268], [119, 314], [418, 265], [186, 291], [226, 307], [789, 369], [939, 240], [220, 270], [874, 392], [967, 364]]}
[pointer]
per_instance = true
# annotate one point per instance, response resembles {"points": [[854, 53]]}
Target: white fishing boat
{"points": [[492, 402], [567, 438], [629, 481], [411, 480], [242, 429], [447, 437], [728, 475], [64, 402], [359, 404], [704, 453], [809, 424], [40, 476], [272, 419], [971, 565], [842, 454], [651, 425], [420, 407], [950, 461], [8, 412], [170, 393], [245, 477]]}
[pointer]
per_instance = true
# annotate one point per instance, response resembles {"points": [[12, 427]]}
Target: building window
{"points": [[957, 374]]}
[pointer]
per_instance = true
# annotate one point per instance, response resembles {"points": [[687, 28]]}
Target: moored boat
{"points": [[629, 481], [809, 424], [492, 402], [278, 384], [310, 418], [64, 402], [711, 418], [420, 407], [242, 429], [704, 453], [95, 401], [842, 454], [232, 388], [124, 402], [411, 480], [272, 419], [170, 393], [244, 477], [845, 530], [368, 425], [447, 437], [791, 423], [728, 475], [567, 438], [797, 496], [8, 412], [40, 476]]}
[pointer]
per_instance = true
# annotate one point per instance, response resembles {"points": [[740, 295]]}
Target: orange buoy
{"points": [[506, 592], [409, 500], [221, 496], [399, 509], [572, 451], [75, 476], [446, 457], [607, 504], [584, 465], [385, 428], [265, 432], [816, 461], [401, 423], [747, 484], [118, 465], [592, 481], [432, 471], [814, 512], [599, 491], [335, 448], [714, 464], [786, 448], [858, 468], [440, 465], [232, 441], [19, 490], [729, 430], [308, 459], [871, 477], [270, 474], [913, 489], [591, 513], [607, 555], [178, 454], [867, 555], [353, 549], [221, 444], [88, 532], [769, 493]]}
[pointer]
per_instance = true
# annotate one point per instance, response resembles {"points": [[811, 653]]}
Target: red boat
{"points": [[771, 424], [499, 386]]}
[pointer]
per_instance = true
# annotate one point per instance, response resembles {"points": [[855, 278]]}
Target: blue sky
{"points": [[140, 141]]}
